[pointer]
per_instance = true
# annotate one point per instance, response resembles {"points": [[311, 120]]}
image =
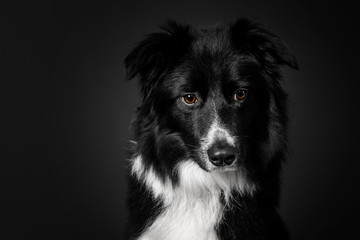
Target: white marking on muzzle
{"points": [[217, 132]]}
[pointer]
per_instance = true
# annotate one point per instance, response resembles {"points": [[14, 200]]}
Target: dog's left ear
{"points": [[153, 57], [254, 37]]}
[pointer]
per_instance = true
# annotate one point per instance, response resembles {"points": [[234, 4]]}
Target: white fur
{"points": [[217, 132], [199, 182], [153, 182], [192, 208]]}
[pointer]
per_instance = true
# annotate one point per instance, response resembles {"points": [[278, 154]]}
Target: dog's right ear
{"points": [[153, 57]]}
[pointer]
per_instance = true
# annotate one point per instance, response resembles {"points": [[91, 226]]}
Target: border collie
{"points": [[209, 133]]}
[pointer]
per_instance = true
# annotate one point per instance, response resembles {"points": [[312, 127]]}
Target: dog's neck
{"points": [[193, 181], [194, 206]]}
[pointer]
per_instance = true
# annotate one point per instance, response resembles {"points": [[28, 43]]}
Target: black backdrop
{"points": [[65, 112]]}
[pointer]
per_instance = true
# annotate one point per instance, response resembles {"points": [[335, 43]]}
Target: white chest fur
{"points": [[186, 219], [192, 209]]}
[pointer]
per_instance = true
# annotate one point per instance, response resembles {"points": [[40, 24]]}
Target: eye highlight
{"points": [[189, 99], [240, 94]]}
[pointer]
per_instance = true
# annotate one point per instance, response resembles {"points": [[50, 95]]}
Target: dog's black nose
{"points": [[219, 155]]}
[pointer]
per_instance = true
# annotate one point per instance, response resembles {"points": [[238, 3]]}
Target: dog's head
{"points": [[212, 96]]}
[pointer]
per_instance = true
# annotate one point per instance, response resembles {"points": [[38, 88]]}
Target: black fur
{"points": [[214, 62]]}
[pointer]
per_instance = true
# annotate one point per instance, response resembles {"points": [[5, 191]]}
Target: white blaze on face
{"points": [[217, 132]]}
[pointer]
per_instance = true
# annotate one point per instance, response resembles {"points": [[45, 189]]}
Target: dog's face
{"points": [[211, 96], [212, 101]]}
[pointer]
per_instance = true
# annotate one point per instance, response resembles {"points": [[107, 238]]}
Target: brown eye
{"points": [[189, 98], [240, 94]]}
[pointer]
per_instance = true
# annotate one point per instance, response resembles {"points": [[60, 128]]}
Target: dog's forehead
{"points": [[214, 40], [218, 68], [211, 62], [213, 53]]}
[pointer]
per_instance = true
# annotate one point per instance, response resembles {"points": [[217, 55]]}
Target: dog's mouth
{"points": [[224, 169]]}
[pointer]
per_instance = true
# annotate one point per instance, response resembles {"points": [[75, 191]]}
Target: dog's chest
{"points": [[185, 218]]}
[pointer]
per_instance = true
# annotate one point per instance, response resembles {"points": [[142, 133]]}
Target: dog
{"points": [[210, 133]]}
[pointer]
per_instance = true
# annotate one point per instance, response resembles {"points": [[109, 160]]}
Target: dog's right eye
{"points": [[240, 95], [190, 99]]}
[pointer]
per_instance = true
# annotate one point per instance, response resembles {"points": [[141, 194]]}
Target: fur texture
{"points": [[209, 133]]}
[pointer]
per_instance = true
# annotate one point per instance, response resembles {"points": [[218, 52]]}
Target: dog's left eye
{"points": [[190, 99]]}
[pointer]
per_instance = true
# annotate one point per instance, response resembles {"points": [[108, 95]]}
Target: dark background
{"points": [[65, 112]]}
